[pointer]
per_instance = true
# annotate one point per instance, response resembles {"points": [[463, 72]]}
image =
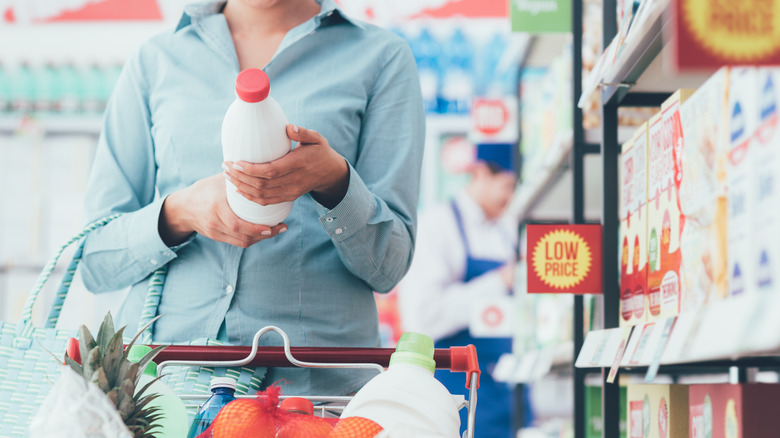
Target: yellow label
{"points": [[744, 30], [562, 259]]}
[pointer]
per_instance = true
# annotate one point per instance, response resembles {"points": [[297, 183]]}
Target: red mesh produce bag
{"points": [[262, 418]]}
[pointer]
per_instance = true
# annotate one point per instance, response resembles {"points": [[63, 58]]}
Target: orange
{"points": [[245, 418], [355, 427], [305, 426]]}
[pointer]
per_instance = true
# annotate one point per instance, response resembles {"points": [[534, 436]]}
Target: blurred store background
{"points": [[481, 82]]}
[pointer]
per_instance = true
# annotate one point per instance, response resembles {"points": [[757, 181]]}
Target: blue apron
{"points": [[495, 403]]}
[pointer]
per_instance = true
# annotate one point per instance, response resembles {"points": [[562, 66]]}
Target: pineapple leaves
{"points": [[91, 363], [104, 362], [86, 342], [113, 355], [146, 327], [75, 365], [140, 392], [148, 357], [106, 332]]}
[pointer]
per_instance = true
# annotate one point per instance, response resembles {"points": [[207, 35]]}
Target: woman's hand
{"points": [[203, 208], [312, 167]]}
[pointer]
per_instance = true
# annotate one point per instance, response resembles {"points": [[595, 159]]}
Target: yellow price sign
{"points": [[712, 33]]}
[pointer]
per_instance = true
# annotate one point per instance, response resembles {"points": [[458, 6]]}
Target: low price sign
{"points": [[564, 259], [712, 33]]}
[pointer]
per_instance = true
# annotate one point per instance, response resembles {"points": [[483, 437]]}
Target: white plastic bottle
{"points": [[174, 421], [407, 395], [254, 130]]}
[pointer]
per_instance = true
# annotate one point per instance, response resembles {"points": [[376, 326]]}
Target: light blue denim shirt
{"points": [[354, 83]]}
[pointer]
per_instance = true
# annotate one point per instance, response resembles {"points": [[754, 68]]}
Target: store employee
{"points": [[465, 252]]}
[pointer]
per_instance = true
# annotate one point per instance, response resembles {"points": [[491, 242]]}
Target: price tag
{"points": [[588, 351], [505, 368], [641, 346], [525, 368], [626, 332], [666, 331]]}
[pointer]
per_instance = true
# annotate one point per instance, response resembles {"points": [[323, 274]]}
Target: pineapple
{"points": [[104, 363]]}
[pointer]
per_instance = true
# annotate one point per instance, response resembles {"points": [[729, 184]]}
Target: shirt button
{"points": [[166, 253], [152, 261], [329, 220], [229, 290], [339, 230]]}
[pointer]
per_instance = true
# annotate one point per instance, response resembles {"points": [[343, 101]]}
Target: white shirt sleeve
{"points": [[433, 299]]}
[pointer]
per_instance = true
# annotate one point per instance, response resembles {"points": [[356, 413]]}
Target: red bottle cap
{"points": [[297, 404], [252, 85]]}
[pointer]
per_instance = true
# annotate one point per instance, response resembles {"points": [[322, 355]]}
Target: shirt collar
{"points": [[201, 10]]}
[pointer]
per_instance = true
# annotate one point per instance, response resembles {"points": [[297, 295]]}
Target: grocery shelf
{"points": [[534, 365], [698, 338], [52, 125], [644, 61], [640, 48], [536, 185]]}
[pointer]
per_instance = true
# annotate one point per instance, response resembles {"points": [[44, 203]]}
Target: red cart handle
{"points": [[464, 359], [456, 359]]}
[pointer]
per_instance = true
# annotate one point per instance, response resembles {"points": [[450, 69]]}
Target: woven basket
{"points": [[27, 370]]}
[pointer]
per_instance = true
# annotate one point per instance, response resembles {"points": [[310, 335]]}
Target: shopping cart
{"points": [[456, 359]]}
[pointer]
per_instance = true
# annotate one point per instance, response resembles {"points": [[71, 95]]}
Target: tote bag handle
{"points": [[154, 291]]}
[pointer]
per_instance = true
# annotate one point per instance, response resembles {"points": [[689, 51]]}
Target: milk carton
{"points": [[702, 194], [664, 217], [633, 229], [743, 118], [765, 157]]}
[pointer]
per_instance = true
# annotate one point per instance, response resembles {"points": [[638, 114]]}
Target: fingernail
{"points": [[282, 230], [237, 167], [295, 128], [266, 233], [225, 167], [227, 177]]}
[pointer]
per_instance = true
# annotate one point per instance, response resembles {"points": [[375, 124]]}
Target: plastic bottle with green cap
{"points": [[174, 421], [407, 395]]}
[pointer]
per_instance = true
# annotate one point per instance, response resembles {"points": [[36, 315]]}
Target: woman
{"points": [[352, 94]]}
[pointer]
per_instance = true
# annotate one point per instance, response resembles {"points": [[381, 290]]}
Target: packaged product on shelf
{"points": [[742, 121], [765, 153], [657, 411], [703, 203], [727, 410], [633, 229], [593, 421], [664, 217]]}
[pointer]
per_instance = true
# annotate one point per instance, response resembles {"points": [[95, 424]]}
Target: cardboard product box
{"points": [[593, 421], [702, 194], [734, 411], [633, 229], [743, 119], [765, 156], [657, 411], [664, 216]]}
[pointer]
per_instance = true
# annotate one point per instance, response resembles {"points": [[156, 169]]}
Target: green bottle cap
{"points": [[414, 349], [137, 352]]}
